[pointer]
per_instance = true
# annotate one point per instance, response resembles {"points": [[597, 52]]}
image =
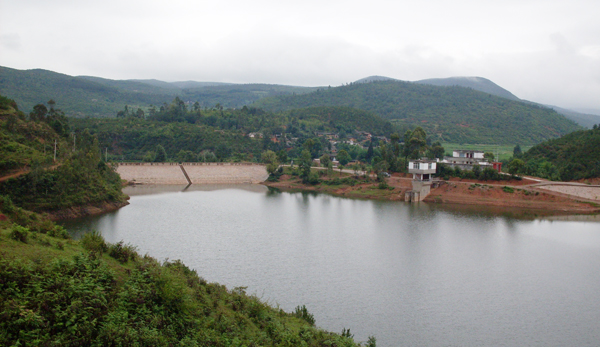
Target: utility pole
{"points": [[54, 150], [106, 155], [73, 142]]}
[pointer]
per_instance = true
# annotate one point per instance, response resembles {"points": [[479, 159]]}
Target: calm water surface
{"points": [[412, 275]]}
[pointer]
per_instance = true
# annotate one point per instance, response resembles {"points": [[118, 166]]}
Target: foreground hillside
{"points": [[58, 292], [449, 114]]}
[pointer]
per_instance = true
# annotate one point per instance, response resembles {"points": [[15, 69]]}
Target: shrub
{"points": [[94, 242], [302, 313], [19, 233], [122, 252], [59, 232], [508, 189]]}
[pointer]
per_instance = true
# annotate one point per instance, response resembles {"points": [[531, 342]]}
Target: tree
{"points": [[39, 112], [149, 156], [515, 166], [304, 164], [476, 171], [517, 152], [395, 142], [222, 151], [185, 156], [489, 156], [270, 158], [282, 156], [415, 143], [325, 160], [343, 157], [161, 154], [139, 113], [369, 155], [437, 150]]}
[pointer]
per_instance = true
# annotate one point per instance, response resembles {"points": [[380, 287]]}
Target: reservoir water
{"points": [[411, 275]]}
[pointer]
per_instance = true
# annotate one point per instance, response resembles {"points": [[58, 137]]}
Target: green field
{"points": [[500, 151]]}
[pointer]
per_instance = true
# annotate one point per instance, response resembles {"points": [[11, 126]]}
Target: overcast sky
{"points": [[545, 51]]}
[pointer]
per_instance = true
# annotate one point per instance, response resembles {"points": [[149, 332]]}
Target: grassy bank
{"points": [[55, 291]]}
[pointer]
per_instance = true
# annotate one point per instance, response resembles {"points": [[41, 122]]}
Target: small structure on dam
{"points": [[193, 173], [422, 171]]}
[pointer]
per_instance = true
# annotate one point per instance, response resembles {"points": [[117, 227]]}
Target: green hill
{"points": [[477, 83], [84, 96], [77, 177], [75, 96], [487, 86], [448, 114], [572, 157]]}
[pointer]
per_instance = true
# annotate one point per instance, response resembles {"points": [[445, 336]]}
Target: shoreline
{"points": [[75, 212], [502, 196]]}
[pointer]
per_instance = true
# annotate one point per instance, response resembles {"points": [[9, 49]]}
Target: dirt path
{"points": [[15, 174]]}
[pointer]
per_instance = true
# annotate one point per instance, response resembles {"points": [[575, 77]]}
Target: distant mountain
{"points": [[449, 114], [478, 83], [137, 86], [194, 84], [583, 119], [484, 85], [76, 96], [83, 96], [375, 79]]}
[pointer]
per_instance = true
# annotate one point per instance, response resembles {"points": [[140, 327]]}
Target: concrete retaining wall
{"points": [[199, 173]]}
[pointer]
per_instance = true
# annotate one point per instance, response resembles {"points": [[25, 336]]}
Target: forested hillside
{"points": [[77, 177], [572, 157], [99, 97], [187, 134], [449, 114]]}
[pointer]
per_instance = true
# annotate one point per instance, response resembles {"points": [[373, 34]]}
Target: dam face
{"points": [[198, 173]]}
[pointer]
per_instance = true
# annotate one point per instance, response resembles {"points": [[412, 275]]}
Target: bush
{"points": [[383, 185], [508, 189], [59, 232], [302, 313], [313, 178], [123, 253], [19, 233], [94, 242]]}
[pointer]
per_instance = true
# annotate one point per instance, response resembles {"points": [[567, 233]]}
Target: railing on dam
{"points": [[187, 164]]}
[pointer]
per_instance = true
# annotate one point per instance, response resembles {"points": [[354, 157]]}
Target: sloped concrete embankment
{"points": [[198, 173]]}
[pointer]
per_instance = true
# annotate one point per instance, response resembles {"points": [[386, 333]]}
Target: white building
{"points": [[422, 171], [466, 159]]}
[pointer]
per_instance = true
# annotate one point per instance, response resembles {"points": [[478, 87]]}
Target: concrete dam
{"points": [[194, 173]]}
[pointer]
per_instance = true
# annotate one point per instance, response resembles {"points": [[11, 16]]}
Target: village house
{"points": [[466, 159]]}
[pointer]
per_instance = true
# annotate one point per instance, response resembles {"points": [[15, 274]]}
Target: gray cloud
{"points": [[10, 41], [545, 51]]}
